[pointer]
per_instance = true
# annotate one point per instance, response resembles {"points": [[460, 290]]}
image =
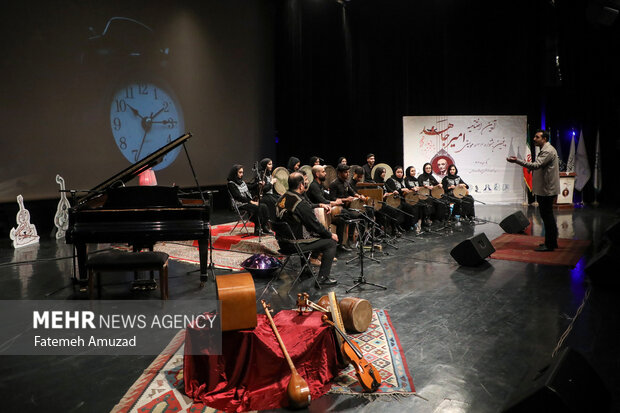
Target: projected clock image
{"points": [[143, 118]]}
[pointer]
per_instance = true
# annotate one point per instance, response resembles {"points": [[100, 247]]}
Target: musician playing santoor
{"points": [[295, 210]]}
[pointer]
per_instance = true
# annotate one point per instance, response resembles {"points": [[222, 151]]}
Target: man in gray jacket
{"points": [[545, 185]]}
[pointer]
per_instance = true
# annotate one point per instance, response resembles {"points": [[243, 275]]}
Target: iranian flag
{"points": [[527, 174]]}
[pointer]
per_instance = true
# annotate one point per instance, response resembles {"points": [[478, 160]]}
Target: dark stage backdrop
{"points": [[79, 76]]}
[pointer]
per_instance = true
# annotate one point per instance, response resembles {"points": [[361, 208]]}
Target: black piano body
{"points": [[138, 215]]}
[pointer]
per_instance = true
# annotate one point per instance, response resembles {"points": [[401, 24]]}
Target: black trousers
{"points": [[261, 213], [545, 207], [327, 246]]}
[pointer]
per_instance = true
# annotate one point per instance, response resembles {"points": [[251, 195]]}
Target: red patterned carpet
{"points": [[518, 247]]}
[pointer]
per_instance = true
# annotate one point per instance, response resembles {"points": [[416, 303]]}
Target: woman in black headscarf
{"points": [[242, 199], [343, 160], [396, 186], [426, 179], [391, 216], [264, 186], [424, 207], [293, 164], [463, 206]]}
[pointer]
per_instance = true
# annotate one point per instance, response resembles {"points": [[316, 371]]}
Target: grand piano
{"points": [[138, 215]]}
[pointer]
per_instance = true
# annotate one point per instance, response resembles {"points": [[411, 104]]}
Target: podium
{"points": [[567, 187]]}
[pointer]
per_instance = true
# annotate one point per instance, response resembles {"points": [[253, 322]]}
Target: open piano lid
{"points": [[134, 170]]}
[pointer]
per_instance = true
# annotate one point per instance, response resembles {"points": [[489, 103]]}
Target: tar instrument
{"points": [[330, 176], [437, 192], [281, 175], [297, 390], [460, 192], [367, 375]]}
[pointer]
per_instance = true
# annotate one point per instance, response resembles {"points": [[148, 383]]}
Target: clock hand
{"points": [[141, 144], [158, 112], [135, 111]]}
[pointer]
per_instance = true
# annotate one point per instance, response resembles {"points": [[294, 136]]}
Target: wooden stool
{"points": [[116, 261]]}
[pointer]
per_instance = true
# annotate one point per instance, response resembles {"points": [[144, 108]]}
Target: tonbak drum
{"points": [[423, 193], [393, 201], [460, 192], [308, 170], [324, 219], [281, 175], [356, 312], [357, 204], [412, 198], [238, 296], [330, 175], [437, 192]]}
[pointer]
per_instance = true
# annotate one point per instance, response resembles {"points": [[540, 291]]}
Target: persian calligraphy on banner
{"points": [[477, 145]]}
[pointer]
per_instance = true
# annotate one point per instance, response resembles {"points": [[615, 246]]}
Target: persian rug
{"points": [[230, 249], [519, 247], [160, 387]]}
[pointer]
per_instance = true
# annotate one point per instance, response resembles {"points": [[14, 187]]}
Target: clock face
{"points": [[144, 117]]}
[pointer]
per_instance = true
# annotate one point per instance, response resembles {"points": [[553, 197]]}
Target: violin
{"points": [[367, 375]]}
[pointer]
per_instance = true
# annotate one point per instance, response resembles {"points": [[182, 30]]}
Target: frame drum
{"points": [[423, 193], [412, 198], [460, 192], [393, 201], [437, 192], [330, 175], [388, 170], [281, 174], [308, 170]]}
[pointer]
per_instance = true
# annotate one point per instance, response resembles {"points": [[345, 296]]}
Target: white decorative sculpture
{"points": [[25, 233], [61, 219]]}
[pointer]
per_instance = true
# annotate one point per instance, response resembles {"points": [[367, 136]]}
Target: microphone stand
{"points": [[361, 279], [364, 238]]}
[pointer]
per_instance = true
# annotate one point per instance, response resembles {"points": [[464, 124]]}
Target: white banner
{"points": [[477, 145]]}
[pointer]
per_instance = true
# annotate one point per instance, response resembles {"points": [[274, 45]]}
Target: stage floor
{"points": [[470, 335]]}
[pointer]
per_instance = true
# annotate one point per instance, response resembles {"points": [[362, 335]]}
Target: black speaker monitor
{"points": [[568, 384], [515, 223], [473, 251]]}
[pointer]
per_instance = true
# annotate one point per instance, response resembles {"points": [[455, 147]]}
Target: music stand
{"points": [[362, 280], [362, 241]]}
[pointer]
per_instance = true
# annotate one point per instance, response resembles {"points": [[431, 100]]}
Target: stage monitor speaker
{"points": [[568, 384], [473, 251], [515, 222], [600, 268]]}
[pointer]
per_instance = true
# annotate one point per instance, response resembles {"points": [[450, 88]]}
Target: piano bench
{"points": [[117, 261]]}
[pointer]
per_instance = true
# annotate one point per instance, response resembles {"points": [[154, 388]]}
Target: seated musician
{"points": [[370, 162], [310, 234], [439, 209], [241, 197], [315, 160], [393, 218], [465, 205], [396, 185], [424, 207], [263, 184], [293, 164], [343, 160], [340, 189]]}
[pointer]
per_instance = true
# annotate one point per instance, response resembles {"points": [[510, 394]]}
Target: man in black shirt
{"points": [[309, 234], [370, 162], [340, 190]]}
